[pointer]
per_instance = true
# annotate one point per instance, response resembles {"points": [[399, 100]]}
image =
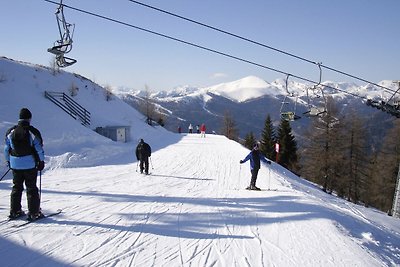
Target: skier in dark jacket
{"points": [[254, 156], [23, 151], [143, 152]]}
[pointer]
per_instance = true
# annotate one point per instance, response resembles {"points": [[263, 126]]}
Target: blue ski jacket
{"points": [[24, 162], [255, 156]]}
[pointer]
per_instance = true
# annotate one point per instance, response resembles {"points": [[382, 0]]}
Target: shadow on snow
{"points": [[252, 211]]}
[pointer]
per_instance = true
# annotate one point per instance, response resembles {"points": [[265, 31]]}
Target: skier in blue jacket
{"points": [[255, 157], [23, 151]]}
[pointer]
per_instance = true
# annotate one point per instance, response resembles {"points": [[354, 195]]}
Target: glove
{"points": [[241, 161], [269, 162], [8, 164], [40, 165]]}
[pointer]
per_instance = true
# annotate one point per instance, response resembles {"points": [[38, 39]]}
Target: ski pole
{"points": [[40, 185], [151, 162], [269, 178], [240, 171], [5, 174]]}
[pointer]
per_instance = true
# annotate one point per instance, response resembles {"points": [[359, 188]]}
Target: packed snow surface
{"points": [[192, 210]]}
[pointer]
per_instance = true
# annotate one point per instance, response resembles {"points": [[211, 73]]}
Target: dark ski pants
{"points": [[32, 192], [254, 174], [144, 165]]}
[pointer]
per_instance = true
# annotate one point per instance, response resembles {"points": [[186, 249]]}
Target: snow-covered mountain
{"points": [[244, 89], [251, 99], [192, 210], [252, 87]]}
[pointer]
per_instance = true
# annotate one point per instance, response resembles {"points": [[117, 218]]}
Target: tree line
{"points": [[337, 155]]}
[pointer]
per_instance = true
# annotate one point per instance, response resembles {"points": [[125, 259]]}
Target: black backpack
{"points": [[21, 140], [142, 150]]}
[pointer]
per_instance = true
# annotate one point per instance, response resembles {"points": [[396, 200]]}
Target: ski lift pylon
{"points": [[64, 44], [286, 114]]}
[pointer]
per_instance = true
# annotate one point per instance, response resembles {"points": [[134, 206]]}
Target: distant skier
{"points": [[23, 151], [179, 129], [190, 128], [143, 152], [254, 156], [197, 129], [203, 130]]}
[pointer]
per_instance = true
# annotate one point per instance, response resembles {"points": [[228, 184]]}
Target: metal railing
{"points": [[70, 106]]}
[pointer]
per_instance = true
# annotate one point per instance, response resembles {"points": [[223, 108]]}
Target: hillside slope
{"points": [[191, 211], [23, 85]]}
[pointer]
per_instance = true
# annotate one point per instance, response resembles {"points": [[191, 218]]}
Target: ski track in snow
{"points": [[191, 211]]}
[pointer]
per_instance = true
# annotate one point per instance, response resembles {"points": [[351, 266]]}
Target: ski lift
{"points": [[64, 45], [391, 106], [287, 114], [63, 61], [313, 110]]}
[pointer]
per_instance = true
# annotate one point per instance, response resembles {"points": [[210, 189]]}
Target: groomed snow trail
{"points": [[191, 211]]}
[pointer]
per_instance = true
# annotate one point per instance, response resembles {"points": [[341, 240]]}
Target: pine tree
{"points": [[249, 140], [288, 147], [268, 139]]}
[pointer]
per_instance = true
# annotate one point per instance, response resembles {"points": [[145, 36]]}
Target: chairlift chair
{"points": [[313, 110], [288, 115], [63, 61], [392, 105], [64, 45]]}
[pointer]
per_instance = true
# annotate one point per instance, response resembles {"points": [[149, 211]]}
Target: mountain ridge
{"points": [[249, 107], [252, 87]]}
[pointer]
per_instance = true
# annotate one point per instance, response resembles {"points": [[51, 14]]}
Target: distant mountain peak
{"points": [[250, 87]]}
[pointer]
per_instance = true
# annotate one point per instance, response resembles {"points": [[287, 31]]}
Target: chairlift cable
{"points": [[261, 44], [222, 31], [201, 47]]}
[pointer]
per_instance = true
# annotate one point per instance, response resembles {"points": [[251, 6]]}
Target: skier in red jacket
{"points": [[203, 130]]}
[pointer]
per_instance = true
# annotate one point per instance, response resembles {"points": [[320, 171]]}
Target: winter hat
{"points": [[25, 114]]}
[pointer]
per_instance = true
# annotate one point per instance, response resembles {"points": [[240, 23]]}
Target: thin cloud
{"points": [[218, 75]]}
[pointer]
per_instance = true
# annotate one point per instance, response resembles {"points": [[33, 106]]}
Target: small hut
{"points": [[115, 133]]}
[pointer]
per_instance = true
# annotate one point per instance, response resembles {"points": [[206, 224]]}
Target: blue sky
{"points": [[355, 36]]}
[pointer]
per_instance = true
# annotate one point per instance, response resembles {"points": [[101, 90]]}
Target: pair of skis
{"points": [[261, 189], [32, 221]]}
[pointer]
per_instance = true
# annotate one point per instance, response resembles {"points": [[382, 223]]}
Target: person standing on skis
{"points": [[203, 130], [255, 157], [23, 151], [143, 152]]}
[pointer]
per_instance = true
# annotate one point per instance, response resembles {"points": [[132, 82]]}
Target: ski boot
{"points": [[253, 187], [35, 216], [15, 215]]}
